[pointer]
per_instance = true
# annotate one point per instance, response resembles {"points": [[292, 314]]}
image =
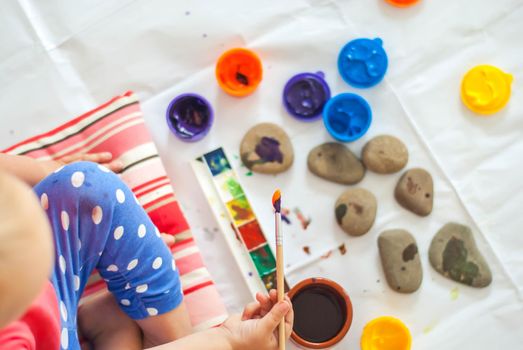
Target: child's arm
{"points": [[32, 171], [255, 329], [26, 249]]}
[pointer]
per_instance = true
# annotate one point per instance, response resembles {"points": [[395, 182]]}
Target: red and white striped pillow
{"points": [[118, 127]]}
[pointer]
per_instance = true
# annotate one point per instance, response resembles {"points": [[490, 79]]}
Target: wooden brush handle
{"points": [[280, 289]]}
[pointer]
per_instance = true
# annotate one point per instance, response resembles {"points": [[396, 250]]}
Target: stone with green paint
{"points": [[454, 254]]}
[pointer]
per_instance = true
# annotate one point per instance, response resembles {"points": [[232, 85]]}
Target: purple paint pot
{"points": [[305, 94], [190, 117]]}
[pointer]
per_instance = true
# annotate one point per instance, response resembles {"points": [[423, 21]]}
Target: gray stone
{"points": [[454, 254], [385, 154], [334, 162], [415, 191], [355, 211], [400, 260], [266, 148]]}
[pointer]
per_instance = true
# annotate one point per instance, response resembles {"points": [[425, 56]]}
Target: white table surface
{"points": [[61, 58]]}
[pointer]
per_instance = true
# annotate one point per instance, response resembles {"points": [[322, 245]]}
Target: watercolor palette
{"points": [[246, 230]]}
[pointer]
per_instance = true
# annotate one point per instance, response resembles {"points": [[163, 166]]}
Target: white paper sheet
{"points": [[61, 58]]}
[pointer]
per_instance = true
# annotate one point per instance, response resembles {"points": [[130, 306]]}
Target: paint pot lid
{"points": [[334, 294], [402, 3], [363, 62], [486, 89], [189, 117], [305, 95], [239, 72], [386, 333], [347, 117]]}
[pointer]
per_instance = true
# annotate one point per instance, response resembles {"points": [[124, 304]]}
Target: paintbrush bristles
{"points": [[276, 201]]}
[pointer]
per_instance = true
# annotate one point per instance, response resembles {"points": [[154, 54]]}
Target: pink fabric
{"points": [[38, 328]]}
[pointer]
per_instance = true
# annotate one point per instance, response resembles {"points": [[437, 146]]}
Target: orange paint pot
{"points": [[402, 3], [322, 313], [239, 72]]}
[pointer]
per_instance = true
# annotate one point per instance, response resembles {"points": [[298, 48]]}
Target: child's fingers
{"points": [[168, 239], [270, 321], [265, 303], [273, 294], [289, 318], [115, 166], [250, 310]]}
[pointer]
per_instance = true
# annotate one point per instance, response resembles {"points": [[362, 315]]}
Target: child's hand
{"points": [[257, 327], [103, 158]]}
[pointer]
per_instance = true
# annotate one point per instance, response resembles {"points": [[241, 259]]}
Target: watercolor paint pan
{"points": [[236, 206]]}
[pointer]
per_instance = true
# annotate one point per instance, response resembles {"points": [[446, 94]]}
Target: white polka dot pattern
{"points": [[152, 311], [64, 218], [132, 264], [112, 268], [63, 311], [142, 288], [76, 283], [97, 215], [61, 262], [118, 232], [77, 179], [44, 201], [64, 338], [141, 230], [125, 302], [157, 263], [120, 196]]}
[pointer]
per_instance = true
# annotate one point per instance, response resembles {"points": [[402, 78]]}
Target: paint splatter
{"points": [[454, 294], [249, 173], [307, 250], [187, 13], [327, 255], [285, 215], [204, 35], [429, 328], [342, 249], [250, 274], [268, 149], [209, 235], [305, 222]]}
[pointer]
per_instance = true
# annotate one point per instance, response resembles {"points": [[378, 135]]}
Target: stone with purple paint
{"points": [[266, 148]]}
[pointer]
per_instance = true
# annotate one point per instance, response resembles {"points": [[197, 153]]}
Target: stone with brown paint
{"points": [[400, 260], [335, 162], [355, 211], [415, 191]]}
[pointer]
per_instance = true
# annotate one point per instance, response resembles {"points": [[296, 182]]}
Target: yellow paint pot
{"points": [[386, 333]]}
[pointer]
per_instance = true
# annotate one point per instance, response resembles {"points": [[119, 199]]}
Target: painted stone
{"points": [[400, 260], [415, 191], [385, 154], [454, 254], [334, 162], [355, 211], [266, 148]]}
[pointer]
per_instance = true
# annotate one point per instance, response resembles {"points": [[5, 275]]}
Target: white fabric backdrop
{"points": [[61, 58]]}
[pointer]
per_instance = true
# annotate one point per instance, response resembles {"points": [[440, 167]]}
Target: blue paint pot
{"points": [[190, 117], [362, 63], [305, 95], [347, 117]]}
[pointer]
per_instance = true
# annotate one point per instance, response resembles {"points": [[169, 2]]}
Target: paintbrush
{"points": [[276, 203]]}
